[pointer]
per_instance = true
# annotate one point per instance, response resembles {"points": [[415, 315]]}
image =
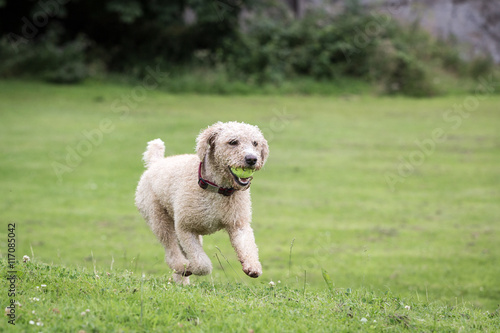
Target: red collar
{"points": [[206, 184]]}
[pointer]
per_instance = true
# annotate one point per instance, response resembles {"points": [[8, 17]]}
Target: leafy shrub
{"points": [[408, 77], [265, 47], [46, 59], [327, 48], [480, 66], [448, 52]]}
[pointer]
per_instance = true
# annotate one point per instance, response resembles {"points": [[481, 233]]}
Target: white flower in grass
{"points": [[32, 322], [97, 276], [43, 286], [39, 323], [26, 258], [33, 312], [35, 299], [407, 307], [83, 313], [364, 320], [88, 310], [272, 284]]}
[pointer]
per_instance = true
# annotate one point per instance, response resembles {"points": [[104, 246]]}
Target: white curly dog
{"points": [[183, 197]]}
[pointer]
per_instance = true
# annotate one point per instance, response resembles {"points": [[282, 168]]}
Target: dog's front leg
{"points": [[243, 242], [199, 263]]}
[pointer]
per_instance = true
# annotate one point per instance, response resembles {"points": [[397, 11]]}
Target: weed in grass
{"points": [[328, 280], [290, 258]]}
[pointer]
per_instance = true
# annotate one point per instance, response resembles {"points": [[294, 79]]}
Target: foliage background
{"points": [[210, 41]]}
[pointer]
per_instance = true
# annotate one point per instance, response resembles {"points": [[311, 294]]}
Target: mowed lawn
{"points": [[383, 193]]}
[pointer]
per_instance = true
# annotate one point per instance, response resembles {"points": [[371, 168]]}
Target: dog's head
{"points": [[233, 145]]}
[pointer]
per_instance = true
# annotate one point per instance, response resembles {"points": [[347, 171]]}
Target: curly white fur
{"points": [[179, 212]]}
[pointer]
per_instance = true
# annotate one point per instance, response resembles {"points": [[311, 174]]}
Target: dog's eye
{"points": [[255, 143], [234, 142]]}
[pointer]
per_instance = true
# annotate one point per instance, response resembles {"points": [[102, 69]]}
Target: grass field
{"points": [[58, 299], [396, 198]]}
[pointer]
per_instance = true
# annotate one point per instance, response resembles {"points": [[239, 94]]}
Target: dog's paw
{"points": [[179, 279], [202, 266], [186, 273], [182, 268], [254, 271], [204, 270]]}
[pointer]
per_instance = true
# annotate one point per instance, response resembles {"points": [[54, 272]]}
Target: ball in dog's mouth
{"points": [[242, 176]]}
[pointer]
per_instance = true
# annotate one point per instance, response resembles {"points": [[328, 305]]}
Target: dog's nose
{"points": [[251, 160]]}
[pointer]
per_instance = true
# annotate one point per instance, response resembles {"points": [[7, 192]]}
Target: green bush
{"points": [[45, 59], [448, 52], [329, 48], [268, 48], [408, 77], [480, 66], [314, 46]]}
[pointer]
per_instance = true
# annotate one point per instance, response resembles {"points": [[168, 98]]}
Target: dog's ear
{"points": [[264, 152], [206, 140]]}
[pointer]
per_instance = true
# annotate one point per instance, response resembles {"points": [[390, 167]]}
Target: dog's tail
{"points": [[154, 153]]}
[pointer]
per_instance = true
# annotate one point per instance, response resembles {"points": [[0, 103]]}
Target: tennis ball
{"points": [[243, 172]]}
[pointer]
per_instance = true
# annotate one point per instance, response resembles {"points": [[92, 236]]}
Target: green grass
{"points": [[215, 81], [433, 242], [59, 299]]}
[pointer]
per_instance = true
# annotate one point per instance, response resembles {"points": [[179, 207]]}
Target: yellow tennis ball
{"points": [[243, 172]]}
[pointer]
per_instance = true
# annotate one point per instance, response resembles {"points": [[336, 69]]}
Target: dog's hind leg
{"points": [[199, 263], [174, 256], [162, 225], [181, 279]]}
